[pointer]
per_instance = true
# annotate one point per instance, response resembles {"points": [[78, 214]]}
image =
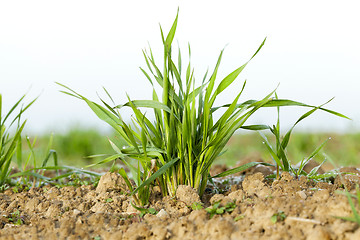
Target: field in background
{"points": [[74, 146], [343, 149]]}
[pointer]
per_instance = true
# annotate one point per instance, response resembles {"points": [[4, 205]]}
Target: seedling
{"points": [[197, 206], [144, 211], [216, 209], [278, 217], [10, 143], [16, 218], [239, 217], [278, 153]]}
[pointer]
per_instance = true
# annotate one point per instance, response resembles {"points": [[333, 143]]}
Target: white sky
{"points": [[312, 50]]}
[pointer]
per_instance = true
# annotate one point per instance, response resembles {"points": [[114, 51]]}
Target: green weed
{"points": [[15, 218], [197, 206], [278, 217], [216, 208]]}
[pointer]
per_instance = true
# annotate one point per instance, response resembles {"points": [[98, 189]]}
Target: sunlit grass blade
{"points": [[356, 216], [287, 102], [157, 174], [126, 179], [312, 155], [240, 169], [314, 171], [271, 151], [171, 33], [11, 110]]}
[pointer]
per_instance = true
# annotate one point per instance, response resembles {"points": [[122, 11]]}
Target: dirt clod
{"points": [[187, 194], [111, 181], [254, 185]]}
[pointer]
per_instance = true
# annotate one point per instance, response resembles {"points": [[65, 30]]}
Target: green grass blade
{"points": [[106, 160], [157, 174], [315, 169], [312, 155], [240, 169], [1, 123], [12, 109], [228, 80], [255, 127], [286, 102], [148, 104], [171, 33], [257, 51], [271, 151], [210, 87], [125, 177]]}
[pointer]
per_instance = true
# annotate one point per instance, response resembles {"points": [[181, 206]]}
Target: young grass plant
{"points": [[35, 168], [180, 146], [9, 143], [217, 209], [278, 153], [11, 148]]}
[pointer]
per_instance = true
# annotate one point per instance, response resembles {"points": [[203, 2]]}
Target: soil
{"points": [[289, 208]]}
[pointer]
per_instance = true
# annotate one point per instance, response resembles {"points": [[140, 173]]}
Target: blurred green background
{"points": [[78, 143]]}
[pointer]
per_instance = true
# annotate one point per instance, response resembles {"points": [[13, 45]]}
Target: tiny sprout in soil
{"points": [[217, 209], [278, 217]]}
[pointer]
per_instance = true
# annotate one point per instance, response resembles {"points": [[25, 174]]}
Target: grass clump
{"points": [[180, 146], [10, 141]]}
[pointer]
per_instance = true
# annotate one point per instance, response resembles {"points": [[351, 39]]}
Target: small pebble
{"points": [[301, 194], [162, 214]]}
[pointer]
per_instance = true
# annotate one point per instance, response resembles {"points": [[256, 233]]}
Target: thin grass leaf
{"points": [[147, 104], [106, 160], [11, 110], [258, 50], [228, 80], [286, 102], [315, 169], [256, 127], [271, 151], [126, 179], [171, 33], [356, 217], [157, 174], [240, 169], [312, 155]]}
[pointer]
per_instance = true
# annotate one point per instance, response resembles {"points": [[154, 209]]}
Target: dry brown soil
{"points": [[303, 209]]}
